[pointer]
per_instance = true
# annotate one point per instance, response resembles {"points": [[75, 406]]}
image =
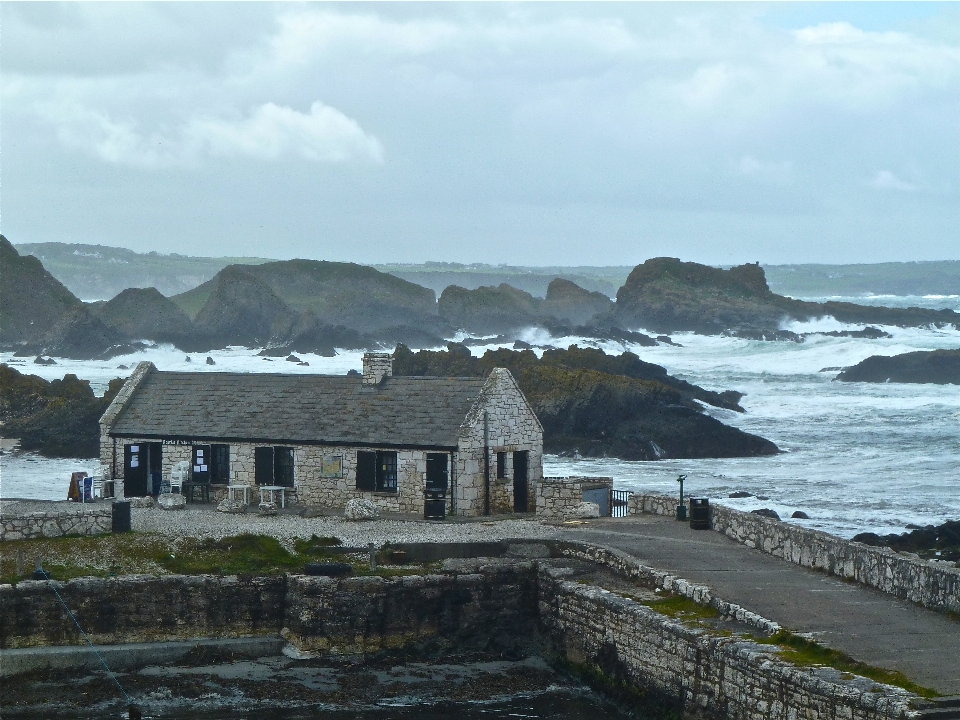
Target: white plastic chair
{"points": [[178, 476]]}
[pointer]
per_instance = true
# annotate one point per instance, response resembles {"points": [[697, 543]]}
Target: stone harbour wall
{"points": [[66, 519], [513, 606], [141, 608], [671, 668], [934, 585]]}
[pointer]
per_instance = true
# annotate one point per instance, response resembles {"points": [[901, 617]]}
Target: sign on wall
{"points": [[331, 466]]}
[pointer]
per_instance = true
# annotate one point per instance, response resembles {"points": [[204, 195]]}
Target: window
{"points": [[220, 464], [501, 465], [377, 471], [386, 472], [283, 466]]}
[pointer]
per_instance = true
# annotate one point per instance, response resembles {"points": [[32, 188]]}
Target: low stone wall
{"points": [[687, 671], [557, 498], [933, 585], [61, 519], [141, 608]]}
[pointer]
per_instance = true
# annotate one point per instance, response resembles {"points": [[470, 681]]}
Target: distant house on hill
{"points": [[327, 439]]}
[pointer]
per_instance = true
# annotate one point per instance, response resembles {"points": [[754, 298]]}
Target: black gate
{"points": [[620, 502], [520, 487]]}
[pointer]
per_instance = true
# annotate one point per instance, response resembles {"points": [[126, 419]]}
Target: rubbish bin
{"points": [[435, 506], [700, 513], [121, 516]]}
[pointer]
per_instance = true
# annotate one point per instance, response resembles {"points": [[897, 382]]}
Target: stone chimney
{"points": [[376, 366]]}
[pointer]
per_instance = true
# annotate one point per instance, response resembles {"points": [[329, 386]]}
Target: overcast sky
{"points": [[537, 133]]}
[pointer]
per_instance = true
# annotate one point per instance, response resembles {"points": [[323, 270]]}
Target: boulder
{"points": [[800, 515], [767, 513], [141, 502], [585, 510], [172, 501], [361, 509], [230, 506], [267, 508]]}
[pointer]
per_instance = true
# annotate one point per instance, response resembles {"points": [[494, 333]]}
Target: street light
{"points": [[681, 508]]}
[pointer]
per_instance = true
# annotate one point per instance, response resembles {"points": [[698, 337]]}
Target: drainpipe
{"points": [[486, 464], [453, 483]]}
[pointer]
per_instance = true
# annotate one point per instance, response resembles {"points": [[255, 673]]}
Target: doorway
{"points": [[520, 484], [142, 469]]}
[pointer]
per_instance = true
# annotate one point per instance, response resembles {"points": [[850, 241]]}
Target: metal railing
{"points": [[618, 502]]}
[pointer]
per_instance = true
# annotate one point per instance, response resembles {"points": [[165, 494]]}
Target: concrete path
{"points": [[868, 625]]}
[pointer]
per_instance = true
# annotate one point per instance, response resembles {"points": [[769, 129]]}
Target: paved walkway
{"points": [[868, 625]]}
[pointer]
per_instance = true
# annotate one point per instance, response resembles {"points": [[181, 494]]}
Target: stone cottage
{"points": [[475, 442]]}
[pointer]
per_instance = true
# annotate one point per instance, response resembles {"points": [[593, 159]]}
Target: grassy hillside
{"points": [[98, 272]]}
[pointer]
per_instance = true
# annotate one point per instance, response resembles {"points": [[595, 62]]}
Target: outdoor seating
{"points": [[178, 476]]}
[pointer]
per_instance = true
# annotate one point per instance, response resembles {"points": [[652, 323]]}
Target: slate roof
{"points": [[324, 409]]}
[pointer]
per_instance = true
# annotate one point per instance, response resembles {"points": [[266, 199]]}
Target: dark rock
{"points": [[303, 363], [667, 295], [144, 313], [667, 340], [31, 300], [767, 513], [521, 345], [936, 366], [940, 541], [293, 358], [836, 368], [187, 359], [40, 360], [351, 371], [571, 303], [81, 335], [488, 310], [868, 333], [800, 515], [602, 405], [122, 367], [210, 361], [59, 418], [740, 494], [762, 497]]}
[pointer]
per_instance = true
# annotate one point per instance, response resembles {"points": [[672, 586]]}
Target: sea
{"points": [[855, 457]]}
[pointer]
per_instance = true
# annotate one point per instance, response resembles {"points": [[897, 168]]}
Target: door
{"points": [[263, 465], [201, 463], [135, 461], [437, 474], [520, 487], [220, 464]]}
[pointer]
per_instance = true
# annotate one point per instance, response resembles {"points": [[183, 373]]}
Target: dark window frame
{"points": [[388, 471]]}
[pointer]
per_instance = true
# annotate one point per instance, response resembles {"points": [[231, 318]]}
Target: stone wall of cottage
{"points": [[512, 427], [557, 498]]}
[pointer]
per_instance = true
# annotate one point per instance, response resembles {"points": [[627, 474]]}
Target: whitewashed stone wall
{"points": [[934, 585], [512, 427], [558, 497], [57, 522]]}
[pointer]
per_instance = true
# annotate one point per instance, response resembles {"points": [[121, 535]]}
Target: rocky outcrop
{"points": [[934, 366], [58, 418], [31, 299], [298, 301], [143, 313], [601, 405], [488, 310], [568, 301], [941, 542], [80, 335], [667, 295]]}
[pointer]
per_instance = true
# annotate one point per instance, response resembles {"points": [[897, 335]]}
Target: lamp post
{"points": [[681, 508]]}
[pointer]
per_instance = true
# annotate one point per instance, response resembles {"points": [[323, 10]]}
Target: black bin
{"points": [[121, 516], [700, 513], [434, 507]]}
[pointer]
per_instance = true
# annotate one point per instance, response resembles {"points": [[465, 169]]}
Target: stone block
{"points": [[171, 501], [230, 506], [267, 508], [361, 509]]}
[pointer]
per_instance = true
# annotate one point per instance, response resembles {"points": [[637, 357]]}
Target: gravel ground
{"points": [[203, 523]]}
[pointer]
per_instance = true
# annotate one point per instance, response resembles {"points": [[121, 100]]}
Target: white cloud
{"points": [[270, 132], [886, 180]]}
